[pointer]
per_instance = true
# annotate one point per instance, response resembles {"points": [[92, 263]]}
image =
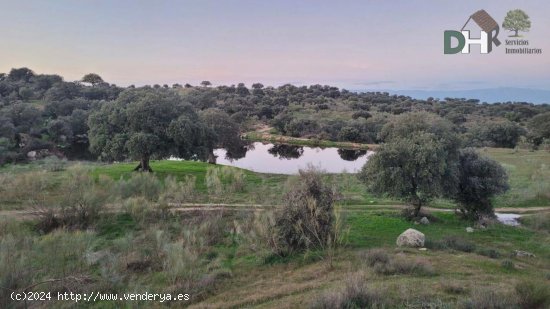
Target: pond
{"points": [[288, 159], [508, 218]]}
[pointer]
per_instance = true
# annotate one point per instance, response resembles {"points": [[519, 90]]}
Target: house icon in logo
{"points": [[488, 35]]}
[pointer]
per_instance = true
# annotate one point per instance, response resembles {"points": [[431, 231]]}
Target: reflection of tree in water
{"points": [[351, 155], [286, 151], [236, 152]]}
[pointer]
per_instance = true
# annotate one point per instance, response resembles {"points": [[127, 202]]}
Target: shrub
{"points": [[533, 295], [375, 256], [492, 253], [450, 242], [139, 184], [179, 192], [138, 207], [488, 299], [54, 164], [453, 287], [306, 221], [508, 265], [458, 244], [213, 181], [355, 294], [83, 199], [405, 266]]}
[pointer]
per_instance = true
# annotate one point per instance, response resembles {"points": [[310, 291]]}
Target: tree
{"points": [[539, 127], [516, 20], [92, 78], [225, 132], [21, 74], [147, 123], [480, 179], [206, 83], [418, 161]]}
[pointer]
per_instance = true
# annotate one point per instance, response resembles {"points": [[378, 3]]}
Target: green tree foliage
{"points": [[224, 131], [417, 162], [147, 123], [480, 179], [539, 127], [92, 79], [502, 133], [516, 20]]}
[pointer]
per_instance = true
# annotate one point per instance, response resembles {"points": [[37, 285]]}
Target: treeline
{"points": [[43, 114]]}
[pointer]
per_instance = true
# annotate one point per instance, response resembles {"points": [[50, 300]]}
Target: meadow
{"points": [[195, 228]]}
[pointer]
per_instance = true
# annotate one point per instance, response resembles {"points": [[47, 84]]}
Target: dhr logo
{"points": [[488, 35]]}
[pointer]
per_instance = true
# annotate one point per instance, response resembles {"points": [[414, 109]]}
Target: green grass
{"points": [[529, 176], [182, 169]]}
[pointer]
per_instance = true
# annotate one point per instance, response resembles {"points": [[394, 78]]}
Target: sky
{"points": [[352, 44]]}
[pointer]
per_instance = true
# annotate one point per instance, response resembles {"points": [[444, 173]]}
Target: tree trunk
{"points": [[516, 35], [212, 157], [143, 165], [417, 205]]}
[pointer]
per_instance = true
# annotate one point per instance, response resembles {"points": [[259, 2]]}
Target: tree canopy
{"points": [[147, 123], [480, 179], [417, 162], [92, 78]]}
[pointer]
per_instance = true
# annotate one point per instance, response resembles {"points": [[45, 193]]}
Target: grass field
{"points": [[219, 257]]}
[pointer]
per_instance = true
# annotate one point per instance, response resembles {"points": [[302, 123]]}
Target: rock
{"points": [[519, 253], [424, 221], [411, 238], [423, 249], [469, 230], [31, 154]]}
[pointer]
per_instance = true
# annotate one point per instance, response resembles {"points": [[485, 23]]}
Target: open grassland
{"points": [[219, 257], [529, 176]]}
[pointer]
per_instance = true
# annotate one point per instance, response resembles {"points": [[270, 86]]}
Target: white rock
{"points": [[469, 230], [411, 238], [424, 221]]}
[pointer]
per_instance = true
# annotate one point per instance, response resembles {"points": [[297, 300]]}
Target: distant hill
{"points": [[489, 95]]}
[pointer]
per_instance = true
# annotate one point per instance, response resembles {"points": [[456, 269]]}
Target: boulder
{"points": [[411, 238], [469, 230], [424, 221]]}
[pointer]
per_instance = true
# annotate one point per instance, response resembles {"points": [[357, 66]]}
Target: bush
{"points": [[138, 207], [375, 256], [459, 244], [401, 265], [179, 192], [139, 184], [213, 181], [533, 295], [450, 242], [453, 287], [488, 299], [306, 221], [356, 294], [492, 253], [508, 265]]}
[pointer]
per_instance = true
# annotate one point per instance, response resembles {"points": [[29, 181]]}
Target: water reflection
{"points": [[350, 154], [288, 159], [286, 151], [238, 152]]}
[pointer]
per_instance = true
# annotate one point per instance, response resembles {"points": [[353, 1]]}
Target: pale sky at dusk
{"points": [[352, 44]]}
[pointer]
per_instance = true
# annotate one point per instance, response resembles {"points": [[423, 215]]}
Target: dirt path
{"points": [[27, 214]]}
